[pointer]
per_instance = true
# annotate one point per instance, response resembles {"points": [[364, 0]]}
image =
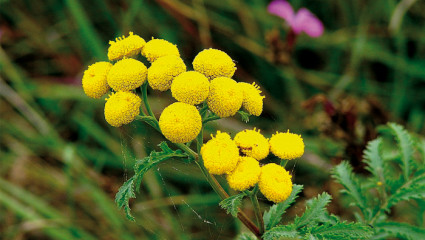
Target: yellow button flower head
{"points": [[220, 154], [125, 47], [127, 74], [162, 72], [287, 145], [121, 108], [214, 63], [275, 182], [252, 100], [190, 87], [253, 144], [225, 97], [245, 175], [180, 122], [94, 79], [157, 48]]}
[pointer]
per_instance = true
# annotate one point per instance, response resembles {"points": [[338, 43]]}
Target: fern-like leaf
{"points": [[315, 210], [414, 191], [405, 143], [282, 232], [126, 191], [375, 163], [123, 196], [341, 230], [274, 215], [232, 204], [343, 173], [143, 165], [403, 230]]}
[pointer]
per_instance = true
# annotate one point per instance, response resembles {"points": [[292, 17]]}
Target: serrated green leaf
{"points": [[123, 196], [403, 230], [274, 215], [405, 143], [282, 232], [343, 173], [341, 230], [315, 209], [246, 236], [232, 204], [414, 191], [372, 157], [143, 165]]}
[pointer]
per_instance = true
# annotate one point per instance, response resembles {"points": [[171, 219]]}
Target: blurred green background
{"points": [[61, 164]]}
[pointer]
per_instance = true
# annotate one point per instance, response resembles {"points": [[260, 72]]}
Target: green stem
{"points": [[208, 119], [149, 120], [283, 162], [257, 210], [145, 99]]}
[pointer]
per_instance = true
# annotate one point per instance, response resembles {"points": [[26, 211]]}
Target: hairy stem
{"points": [[145, 99], [257, 210]]}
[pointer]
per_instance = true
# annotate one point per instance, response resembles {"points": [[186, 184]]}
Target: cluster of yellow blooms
{"points": [[239, 159], [210, 82]]}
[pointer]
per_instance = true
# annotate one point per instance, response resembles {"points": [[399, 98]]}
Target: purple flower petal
{"points": [[305, 21], [283, 9]]}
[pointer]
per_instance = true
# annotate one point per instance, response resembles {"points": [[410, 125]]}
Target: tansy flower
{"points": [[125, 47], [162, 72], [190, 87], [157, 48], [275, 182], [121, 108], [180, 122], [220, 154], [225, 97], [253, 144], [287, 145], [245, 175], [127, 74], [252, 100], [214, 63], [94, 79]]}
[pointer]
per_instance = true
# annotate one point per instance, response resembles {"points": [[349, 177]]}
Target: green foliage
{"points": [[340, 230], [232, 203], [273, 216], [344, 175], [316, 223], [405, 146], [126, 191], [403, 230], [315, 209], [246, 236], [244, 116], [394, 178]]}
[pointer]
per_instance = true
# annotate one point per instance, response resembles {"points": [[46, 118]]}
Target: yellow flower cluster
{"points": [[180, 122], [245, 175], [225, 97], [127, 74], [125, 47], [287, 145], [157, 48], [240, 159], [162, 72], [94, 80], [275, 182], [252, 100], [220, 154], [253, 144], [214, 63], [190, 87], [121, 108]]}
